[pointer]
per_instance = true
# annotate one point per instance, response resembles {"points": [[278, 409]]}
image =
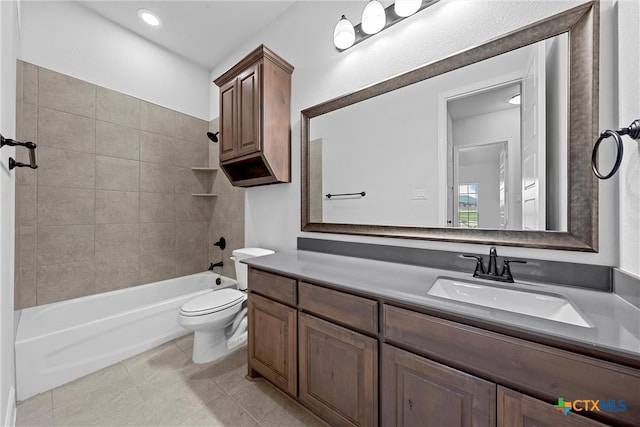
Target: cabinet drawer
{"points": [[276, 287], [350, 310], [541, 371]]}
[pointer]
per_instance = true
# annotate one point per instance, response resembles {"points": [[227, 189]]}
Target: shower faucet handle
{"points": [[222, 243]]}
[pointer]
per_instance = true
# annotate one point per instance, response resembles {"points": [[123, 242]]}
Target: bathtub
{"points": [[59, 342]]}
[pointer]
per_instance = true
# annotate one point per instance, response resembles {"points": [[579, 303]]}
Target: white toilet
{"points": [[219, 318]]}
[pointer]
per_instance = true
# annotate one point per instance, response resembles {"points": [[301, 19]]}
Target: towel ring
{"points": [[633, 131]]}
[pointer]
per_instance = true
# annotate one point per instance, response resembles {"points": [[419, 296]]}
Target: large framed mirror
{"points": [[490, 145]]}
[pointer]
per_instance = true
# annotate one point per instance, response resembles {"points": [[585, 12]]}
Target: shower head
{"points": [[213, 136]]}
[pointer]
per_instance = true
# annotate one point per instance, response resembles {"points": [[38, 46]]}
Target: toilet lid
{"points": [[212, 302]]}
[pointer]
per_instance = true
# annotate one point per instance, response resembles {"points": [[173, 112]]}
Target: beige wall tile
{"points": [[190, 262], [190, 155], [26, 292], [117, 207], [29, 122], [116, 107], [156, 149], [188, 181], [25, 204], [156, 178], [64, 244], [228, 207], [156, 207], [191, 129], [233, 232], [60, 282], [191, 236], [29, 83], [117, 240], [117, 141], [27, 254], [66, 93], [117, 273], [113, 173], [190, 208], [156, 266], [157, 119], [214, 149], [63, 168], [57, 129], [155, 237], [65, 206]]}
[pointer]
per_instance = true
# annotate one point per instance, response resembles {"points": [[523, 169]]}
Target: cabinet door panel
{"points": [[417, 391], [338, 373], [272, 342], [249, 111], [228, 148], [518, 410]]}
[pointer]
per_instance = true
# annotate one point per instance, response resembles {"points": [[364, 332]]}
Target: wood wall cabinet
{"points": [[255, 135]]}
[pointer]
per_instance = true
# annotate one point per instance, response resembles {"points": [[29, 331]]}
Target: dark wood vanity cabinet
{"points": [[254, 140], [358, 361], [338, 370], [415, 389], [272, 326]]}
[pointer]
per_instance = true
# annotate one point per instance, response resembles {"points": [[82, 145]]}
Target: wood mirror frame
{"points": [[582, 25]]}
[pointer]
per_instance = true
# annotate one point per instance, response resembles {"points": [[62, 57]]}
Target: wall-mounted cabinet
{"points": [[255, 134]]}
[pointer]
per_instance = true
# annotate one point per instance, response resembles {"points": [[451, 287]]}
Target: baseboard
{"points": [[10, 416]]}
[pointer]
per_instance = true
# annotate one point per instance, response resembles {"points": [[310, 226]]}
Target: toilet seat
{"points": [[212, 302]]}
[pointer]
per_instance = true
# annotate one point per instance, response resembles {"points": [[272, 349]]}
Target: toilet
{"points": [[219, 318]]}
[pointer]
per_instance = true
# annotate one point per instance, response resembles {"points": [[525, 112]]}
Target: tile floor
{"points": [[163, 387]]}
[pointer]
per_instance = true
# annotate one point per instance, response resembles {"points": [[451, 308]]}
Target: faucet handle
{"points": [[479, 265], [506, 270]]}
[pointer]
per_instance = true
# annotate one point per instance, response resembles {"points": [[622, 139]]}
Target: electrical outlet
{"points": [[419, 194]]}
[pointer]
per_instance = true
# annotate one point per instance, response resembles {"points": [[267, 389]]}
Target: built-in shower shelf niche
{"points": [[208, 183]]}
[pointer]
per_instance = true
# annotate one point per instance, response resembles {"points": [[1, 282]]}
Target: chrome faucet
{"points": [[491, 273]]}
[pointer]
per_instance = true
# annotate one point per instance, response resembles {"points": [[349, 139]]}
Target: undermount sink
{"points": [[538, 304]]}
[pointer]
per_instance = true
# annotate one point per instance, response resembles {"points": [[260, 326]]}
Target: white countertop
{"points": [[616, 322]]}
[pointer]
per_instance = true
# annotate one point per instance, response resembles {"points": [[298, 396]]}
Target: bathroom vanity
{"points": [[361, 342]]}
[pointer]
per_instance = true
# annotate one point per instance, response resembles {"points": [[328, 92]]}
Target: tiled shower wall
{"points": [[110, 205]]}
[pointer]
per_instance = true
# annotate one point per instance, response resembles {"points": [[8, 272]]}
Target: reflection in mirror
{"points": [[445, 152], [405, 148]]}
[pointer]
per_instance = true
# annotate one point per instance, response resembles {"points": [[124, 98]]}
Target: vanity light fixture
{"points": [[149, 17], [515, 99], [375, 18]]}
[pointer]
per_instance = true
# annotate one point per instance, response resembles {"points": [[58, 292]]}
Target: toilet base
{"points": [[208, 346]]}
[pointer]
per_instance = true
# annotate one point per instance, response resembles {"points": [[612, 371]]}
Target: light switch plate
{"points": [[419, 194]]}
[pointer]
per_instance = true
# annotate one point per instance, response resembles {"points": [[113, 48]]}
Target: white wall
{"points": [[8, 55], [629, 110], [303, 36], [70, 39]]}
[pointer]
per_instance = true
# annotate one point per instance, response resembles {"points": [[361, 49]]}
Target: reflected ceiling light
{"points": [[373, 17], [344, 35], [515, 99], [149, 17], [406, 8]]}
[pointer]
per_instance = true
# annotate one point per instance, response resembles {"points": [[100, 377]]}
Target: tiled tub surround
{"points": [[110, 204]]}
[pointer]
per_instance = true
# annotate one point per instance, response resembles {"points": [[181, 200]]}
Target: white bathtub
{"points": [[59, 342]]}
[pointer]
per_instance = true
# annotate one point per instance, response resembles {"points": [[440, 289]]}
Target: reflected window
{"points": [[468, 205]]}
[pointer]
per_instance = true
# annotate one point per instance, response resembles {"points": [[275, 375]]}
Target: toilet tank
{"points": [[241, 269]]}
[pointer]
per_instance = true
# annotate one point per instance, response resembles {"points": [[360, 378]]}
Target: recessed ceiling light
{"points": [[515, 99], [149, 17]]}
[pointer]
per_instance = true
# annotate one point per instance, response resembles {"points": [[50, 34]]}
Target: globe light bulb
{"points": [[373, 17], [344, 34]]}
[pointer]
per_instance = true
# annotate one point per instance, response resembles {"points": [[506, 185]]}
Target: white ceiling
{"points": [[484, 102], [205, 32]]}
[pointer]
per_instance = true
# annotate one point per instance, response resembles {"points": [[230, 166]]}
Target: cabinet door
{"points": [[249, 108], [272, 342], [519, 410], [416, 391], [338, 373], [228, 120]]}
